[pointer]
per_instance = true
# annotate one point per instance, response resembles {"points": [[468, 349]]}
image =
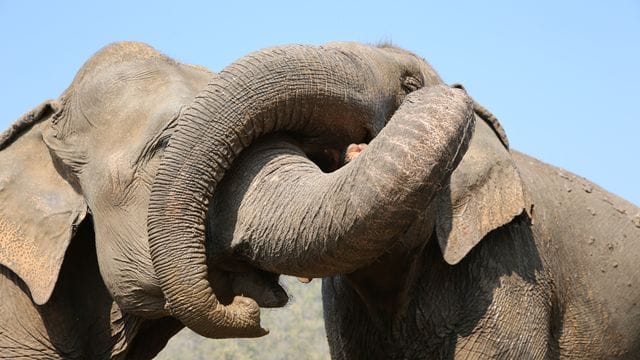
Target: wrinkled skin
{"points": [[511, 258], [76, 275], [327, 97]]}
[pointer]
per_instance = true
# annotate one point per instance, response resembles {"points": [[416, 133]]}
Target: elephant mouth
{"points": [[330, 156], [327, 159]]}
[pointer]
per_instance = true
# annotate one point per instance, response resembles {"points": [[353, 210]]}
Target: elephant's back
{"points": [[591, 241]]}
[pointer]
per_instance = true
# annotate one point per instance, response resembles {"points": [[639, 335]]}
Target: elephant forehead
{"points": [[128, 100]]}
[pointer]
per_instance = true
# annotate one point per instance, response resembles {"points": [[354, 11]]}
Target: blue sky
{"points": [[563, 77]]}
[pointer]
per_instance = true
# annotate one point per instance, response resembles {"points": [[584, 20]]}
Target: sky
{"points": [[563, 77]]}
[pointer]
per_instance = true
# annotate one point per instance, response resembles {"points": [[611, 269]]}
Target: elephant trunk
{"points": [[317, 92], [292, 218]]}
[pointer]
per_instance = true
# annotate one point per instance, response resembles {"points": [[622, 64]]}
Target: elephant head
{"points": [[327, 97], [92, 156]]}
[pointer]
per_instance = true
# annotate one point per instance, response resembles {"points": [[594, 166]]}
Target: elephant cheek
{"points": [[125, 265]]}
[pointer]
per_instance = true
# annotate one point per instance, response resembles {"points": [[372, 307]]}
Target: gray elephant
{"points": [[438, 241], [76, 277]]}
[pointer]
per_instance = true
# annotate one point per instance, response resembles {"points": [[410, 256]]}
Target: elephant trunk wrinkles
{"points": [[291, 88], [297, 220]]}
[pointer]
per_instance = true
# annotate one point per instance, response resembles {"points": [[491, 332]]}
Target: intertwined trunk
{"points": [[315, 92], [283, 214]]}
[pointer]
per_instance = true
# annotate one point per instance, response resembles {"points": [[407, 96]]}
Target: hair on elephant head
{"points": [[90, 158]]}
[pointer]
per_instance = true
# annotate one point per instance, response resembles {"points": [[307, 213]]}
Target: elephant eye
{"points": [[410, 83], [153, 147], [160, 145]]}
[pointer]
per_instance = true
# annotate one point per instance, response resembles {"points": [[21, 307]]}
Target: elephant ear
{"points": [[39, 210], [484, 193]]}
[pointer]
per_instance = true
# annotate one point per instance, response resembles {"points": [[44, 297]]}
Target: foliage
{"points": [[296, 332]]}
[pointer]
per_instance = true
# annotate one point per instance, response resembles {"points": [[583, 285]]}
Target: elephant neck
{"points": [[386, 294]]}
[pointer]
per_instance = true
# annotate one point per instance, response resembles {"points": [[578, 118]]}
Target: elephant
{"points": [[76, 276], [436, 241]]}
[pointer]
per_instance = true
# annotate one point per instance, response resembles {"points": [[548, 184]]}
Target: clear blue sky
{"points": [[563, 76]]}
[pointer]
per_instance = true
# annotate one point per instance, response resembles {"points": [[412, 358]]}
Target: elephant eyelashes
{"points": [[410, 84], [160, 141], [160, 145], [153, 147]]}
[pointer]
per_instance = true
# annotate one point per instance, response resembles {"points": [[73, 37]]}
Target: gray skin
{"points": [[76, 276], [424, 255], [328, 97]]}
